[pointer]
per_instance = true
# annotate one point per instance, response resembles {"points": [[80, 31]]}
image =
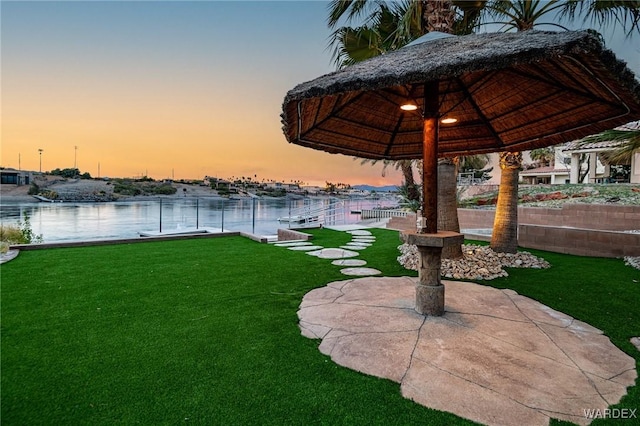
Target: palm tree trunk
{"points": [[505, 225], [448, 204], [438, 15], [407, 172]]}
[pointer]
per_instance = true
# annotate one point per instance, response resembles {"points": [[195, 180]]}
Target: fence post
{"points": [[197, 214], [253, 216], [160, 215], [222, 215]]}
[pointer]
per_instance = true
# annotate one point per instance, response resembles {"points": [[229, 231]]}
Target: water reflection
{"points": [[87, 221]]}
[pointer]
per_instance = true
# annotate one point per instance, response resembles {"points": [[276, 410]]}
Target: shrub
{"points": [[19, 234], [34, 189], [52, 195], [126, 188], [164, 189]]}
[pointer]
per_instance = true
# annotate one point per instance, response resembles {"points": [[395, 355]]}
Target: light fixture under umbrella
{"points": [[507, 91]]}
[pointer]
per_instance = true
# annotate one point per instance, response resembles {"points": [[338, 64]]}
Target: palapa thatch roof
{"points": [[509, 91]]}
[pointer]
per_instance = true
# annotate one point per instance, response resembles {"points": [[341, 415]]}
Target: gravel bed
{"points": [[477, 263]]}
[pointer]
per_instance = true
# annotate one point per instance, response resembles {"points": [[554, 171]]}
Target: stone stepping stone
{"points": [[358, 244], [349, 262], [352, 247], [360, 271], [365, 239], [293, 244], [305, 248], [359, 232], [333, 253]]}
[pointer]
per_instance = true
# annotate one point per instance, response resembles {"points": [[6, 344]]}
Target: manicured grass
{"points": [[205, 331]]}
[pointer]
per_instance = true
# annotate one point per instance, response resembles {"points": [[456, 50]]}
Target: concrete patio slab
{"points": [[495, 357]]}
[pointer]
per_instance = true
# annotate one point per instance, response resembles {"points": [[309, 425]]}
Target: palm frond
{"points": [[604, 13], [628, 140]]}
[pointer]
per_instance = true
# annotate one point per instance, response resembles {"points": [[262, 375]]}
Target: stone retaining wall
{"points": [[580, 229], [292, 235], [587, 216], [578, 241]]}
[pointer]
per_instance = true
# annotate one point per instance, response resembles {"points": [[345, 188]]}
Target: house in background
{"points": [[558, 172], [576, 162], [15, 177], [220, 184], [624, 172]]}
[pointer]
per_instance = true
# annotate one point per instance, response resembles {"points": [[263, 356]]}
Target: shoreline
{"points": [[98, 191]]}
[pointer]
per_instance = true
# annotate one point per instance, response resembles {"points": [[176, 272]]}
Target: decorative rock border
{"points": [[477, 263], [9, 255]]}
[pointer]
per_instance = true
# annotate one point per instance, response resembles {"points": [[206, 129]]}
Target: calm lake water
{"points": [[58, 222]]}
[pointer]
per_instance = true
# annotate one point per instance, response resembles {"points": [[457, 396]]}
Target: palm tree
{"points": [[406, 167], [624, 14], [544, 156], [627, 141], [377, 36], [389, 26], [504, 238], [523, 15]]}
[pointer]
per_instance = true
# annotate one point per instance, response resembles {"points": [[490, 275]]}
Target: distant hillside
{"points": [[388, 188]]}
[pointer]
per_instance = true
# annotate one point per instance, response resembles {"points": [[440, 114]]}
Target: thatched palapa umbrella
{"points": [[470, 94]]}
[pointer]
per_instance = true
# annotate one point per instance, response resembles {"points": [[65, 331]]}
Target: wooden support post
{"points": [[430, 159]]}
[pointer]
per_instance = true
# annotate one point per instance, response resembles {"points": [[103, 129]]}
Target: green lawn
{"points": [[205, 331]]}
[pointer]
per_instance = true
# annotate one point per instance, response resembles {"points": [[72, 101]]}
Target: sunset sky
{"points": [[170, 89]]}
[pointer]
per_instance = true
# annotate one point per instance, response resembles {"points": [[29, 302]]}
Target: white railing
{"points": [[382, 213], [309, 215]]}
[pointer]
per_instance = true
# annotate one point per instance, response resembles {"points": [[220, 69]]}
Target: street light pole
{"points": [[40, 151], [75, 156]]}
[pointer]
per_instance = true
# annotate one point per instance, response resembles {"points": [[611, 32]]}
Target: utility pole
{"points": [[40, 151], [75, 156]]}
